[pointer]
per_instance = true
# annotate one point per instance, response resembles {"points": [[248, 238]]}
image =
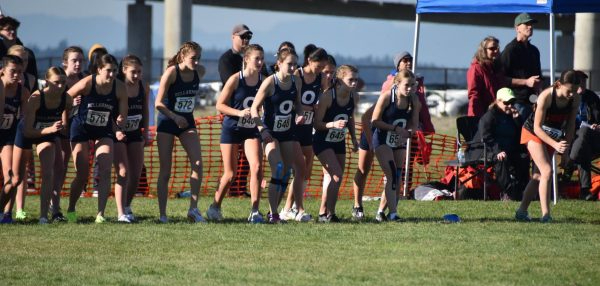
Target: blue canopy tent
{"points": [[509, 6]]}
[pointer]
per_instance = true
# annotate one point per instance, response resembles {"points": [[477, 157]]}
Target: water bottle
{"points": [[460, 155]]}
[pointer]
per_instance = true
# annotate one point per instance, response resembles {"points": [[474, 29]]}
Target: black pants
{"points": [[512, 174]]}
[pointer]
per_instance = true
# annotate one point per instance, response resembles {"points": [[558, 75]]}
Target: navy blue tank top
{"points": [[394, 116], [278, 116], [98, 111], [334, 113], [44, 116], [181, 97], [135, 109], [310, 95], [242, 98], [11, 110]]}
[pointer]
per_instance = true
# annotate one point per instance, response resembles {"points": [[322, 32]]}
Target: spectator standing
{"points": [[483, 77], [520, 62]]}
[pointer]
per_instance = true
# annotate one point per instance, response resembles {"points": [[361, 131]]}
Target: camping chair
{"points": [[475, 151]]}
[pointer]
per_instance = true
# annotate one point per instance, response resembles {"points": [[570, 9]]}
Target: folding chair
{"points": [[476, 151]]}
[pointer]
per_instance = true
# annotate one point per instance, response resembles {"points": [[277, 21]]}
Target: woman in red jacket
{"points": [[483, 77]]}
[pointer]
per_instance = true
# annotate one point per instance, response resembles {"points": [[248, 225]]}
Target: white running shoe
{"points": [[256, 217], [303, 217], [124, 218], [195, 216], [214, 213], [287, 214]]}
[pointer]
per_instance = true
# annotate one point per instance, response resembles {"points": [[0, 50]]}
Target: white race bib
{"points": [[246, 122], [336, 135], [392, 139], [184, 104], [97, 118], [308, 117], [282, 123], [7, 121], [42, 125], [133, 122]]}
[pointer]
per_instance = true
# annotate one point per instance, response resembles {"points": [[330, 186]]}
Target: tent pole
{"points": [[416, 42], [552, 48]]}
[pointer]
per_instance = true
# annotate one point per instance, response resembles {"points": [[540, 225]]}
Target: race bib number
{"points": [[97, 118], [282, 123], [392, 139], [336, 135], [308, 117], [246, 122], [133, 122], [42, 125], [7, 121], [184, 104]]}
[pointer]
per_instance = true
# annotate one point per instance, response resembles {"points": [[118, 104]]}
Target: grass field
{"points": [[487, 248]]}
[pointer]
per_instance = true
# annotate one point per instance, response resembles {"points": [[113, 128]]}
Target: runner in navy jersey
{"points": [[129, 151], [14, 98], [312, 83], [279, 96], [72, 62], [102, 112], [396, 113], [175, 102], [334, 115], [239, 128], [44, 117], [29, 82]]}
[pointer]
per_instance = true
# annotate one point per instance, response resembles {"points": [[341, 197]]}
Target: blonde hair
{"points": [[52, 71], [17, 49], [185, 48], [402, 75], [343, 70]]}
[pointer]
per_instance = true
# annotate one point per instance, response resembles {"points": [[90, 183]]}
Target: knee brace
{"points": [[394, 174], [277, 175], [285, 180]]}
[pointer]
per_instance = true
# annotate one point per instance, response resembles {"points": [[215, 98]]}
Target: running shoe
{"points": [[303, 217], [275, 219], [358, 213], [129, 214], [546, 219], [288, 214], [195, 216], [256, 217], [522, 216], [58, 217], [100, 219], [20, 215], [380, 217], [332, 218], [6, 218], [124, 218], [43, 220], [163, 219], [394, 217], [214, 213], [322, 218], [72, 217]]}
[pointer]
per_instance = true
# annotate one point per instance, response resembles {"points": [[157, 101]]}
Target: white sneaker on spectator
{"points": [[287, 214], [124, 218]]}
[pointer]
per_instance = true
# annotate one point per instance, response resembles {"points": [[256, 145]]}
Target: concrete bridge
{"points": [[579, 41]]}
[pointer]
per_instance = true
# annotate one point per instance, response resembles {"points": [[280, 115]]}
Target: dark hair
{"points": [[331, 60], [286, 44], [8, 59], [316, 55], [183, 50], [95, 57], [128, 60], [308, 49], [569, 76], [282, 54], [71, 49], [9, 21], [107, 59]]}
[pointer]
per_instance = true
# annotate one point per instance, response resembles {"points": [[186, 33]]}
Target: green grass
{"points": [[487, 248]]}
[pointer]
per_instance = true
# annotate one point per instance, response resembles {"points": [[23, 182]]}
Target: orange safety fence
{"points": [[441, 147]]}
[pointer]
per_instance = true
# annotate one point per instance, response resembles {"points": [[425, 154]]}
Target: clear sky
{"points": [[84, 22]]}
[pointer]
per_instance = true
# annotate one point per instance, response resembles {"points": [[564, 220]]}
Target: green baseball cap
{"points": [[524, 18]]}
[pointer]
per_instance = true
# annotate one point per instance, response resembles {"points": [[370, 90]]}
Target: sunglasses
{"points": [[510, 102], [246, 37], [492, 48]]}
